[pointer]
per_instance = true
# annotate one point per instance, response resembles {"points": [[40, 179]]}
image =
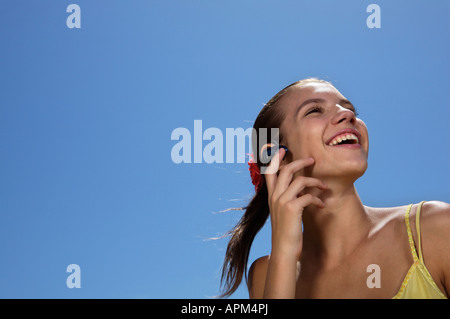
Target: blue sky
{"points": [[86, 116]]}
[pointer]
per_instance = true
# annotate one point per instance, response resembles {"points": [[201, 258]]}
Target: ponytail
{"points": [[242, 236]]}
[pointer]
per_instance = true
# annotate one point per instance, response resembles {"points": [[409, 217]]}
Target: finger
{"points": [[299, 204], [287, 173], [271, 170], [298, 185]]}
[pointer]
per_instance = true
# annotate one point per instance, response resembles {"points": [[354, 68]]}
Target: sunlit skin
{"points": [[314, 114], [341, 237]]}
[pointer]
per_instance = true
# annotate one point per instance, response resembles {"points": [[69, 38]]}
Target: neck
{"points": [[331, 234]]}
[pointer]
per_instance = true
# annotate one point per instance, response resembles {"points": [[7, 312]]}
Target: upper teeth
{"points": [[344, 137]]}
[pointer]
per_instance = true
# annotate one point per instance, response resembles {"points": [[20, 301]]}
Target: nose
{"points": [[344, 115]]}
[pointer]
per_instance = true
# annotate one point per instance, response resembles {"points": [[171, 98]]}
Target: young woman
{"points": [[325, 242]]}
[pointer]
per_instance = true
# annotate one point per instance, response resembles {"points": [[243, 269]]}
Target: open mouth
{"points": [[342, 139]]}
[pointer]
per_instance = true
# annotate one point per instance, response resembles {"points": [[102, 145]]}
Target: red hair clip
{"points": [[255, 173]]}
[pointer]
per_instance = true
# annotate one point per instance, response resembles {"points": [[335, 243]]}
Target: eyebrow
{"points": [[319, 100]]}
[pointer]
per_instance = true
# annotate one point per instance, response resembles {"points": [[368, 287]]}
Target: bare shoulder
{"points": [[434, 218], [435, 241], [257, 277], [437, 212], [390, 218], [435, 226]]}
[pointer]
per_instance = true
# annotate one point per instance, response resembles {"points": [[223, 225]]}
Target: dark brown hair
{"points": [[257, 211]]}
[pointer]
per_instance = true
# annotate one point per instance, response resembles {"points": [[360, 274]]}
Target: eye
{"points": [[315, 109]]}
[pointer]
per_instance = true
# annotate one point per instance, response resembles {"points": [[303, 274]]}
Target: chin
{"points": [[349, 170], [354, 171]]}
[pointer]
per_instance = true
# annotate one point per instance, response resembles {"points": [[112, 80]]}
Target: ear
{"points": [[269, 150], [266, 153]]}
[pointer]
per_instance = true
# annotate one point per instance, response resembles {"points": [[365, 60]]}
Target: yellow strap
{"points": [[419, 244], [410, 238]]}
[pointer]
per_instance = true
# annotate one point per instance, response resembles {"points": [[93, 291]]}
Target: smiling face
{"points": [[321, 123]]}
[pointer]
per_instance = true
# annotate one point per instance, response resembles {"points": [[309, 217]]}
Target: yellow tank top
{"points": [[418, 283]]}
